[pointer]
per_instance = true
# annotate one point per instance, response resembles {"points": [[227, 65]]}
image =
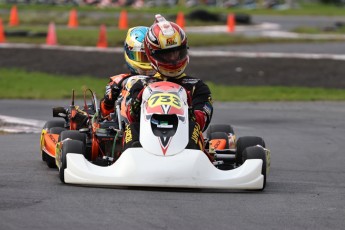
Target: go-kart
{"points": [[84, 124], [162, 159]]}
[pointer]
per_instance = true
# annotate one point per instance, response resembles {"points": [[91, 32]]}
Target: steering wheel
{"points": [[93, 107]]}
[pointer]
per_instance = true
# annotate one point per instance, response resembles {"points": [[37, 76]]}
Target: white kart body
{"points": [[163, 161]]}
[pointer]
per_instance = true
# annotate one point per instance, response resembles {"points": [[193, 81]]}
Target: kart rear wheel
{"points": [[54, 123], [219, 128], [69, 146], [245, 142], [256, 152], [50, 161]]}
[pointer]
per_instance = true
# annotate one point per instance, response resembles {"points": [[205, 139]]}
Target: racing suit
{"points": [[112, 92], [200, 101]]}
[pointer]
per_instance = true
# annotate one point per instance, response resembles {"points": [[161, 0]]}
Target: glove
{"points": [[135, 95], [112, 92], [134, 109]]}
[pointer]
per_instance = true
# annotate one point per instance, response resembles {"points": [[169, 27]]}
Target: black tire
{"points": [[220, 135], [50, 161], [74, 135], [245, 142], [43, 156], [54, 123], [256, 152], [56, 130], [219, 128], [69, 146]]}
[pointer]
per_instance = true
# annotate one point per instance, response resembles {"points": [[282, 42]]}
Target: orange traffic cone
{"points": [[180, 20], [14, 20], [102, 39], [51, 35], [2, 32], [73, 19], [123, 24], [231, 23]]}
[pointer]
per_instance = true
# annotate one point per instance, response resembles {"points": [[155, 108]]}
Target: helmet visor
{"points": [[137, 56], [171, 56]]}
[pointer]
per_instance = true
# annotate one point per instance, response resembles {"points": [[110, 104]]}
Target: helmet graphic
{"points": [[166, 47], [135, 56]]}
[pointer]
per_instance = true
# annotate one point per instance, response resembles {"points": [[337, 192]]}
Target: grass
{"points": [[274, 93], [89, 37], [316, 30], [16, 83], [311, 8], [65, 36], [36, 17]]}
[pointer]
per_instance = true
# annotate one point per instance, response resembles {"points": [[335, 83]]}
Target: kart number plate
{"points": [[164, 99]]}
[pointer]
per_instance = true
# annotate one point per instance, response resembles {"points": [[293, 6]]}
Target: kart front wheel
{"points": [[245, 142], [219, 128], [69, 146], [257, 152]]}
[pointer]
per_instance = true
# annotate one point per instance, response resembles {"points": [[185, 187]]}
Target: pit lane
{"points": [[305, 189]]}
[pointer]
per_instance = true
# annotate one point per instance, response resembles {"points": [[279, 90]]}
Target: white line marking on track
{"points": [[266, 55], [10, 124]]}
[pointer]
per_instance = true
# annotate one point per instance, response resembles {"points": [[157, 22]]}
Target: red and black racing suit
{"points": [[112, 92], [201, 106]]}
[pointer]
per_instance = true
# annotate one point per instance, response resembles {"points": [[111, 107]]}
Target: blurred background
{"points": [[296, 44], [250, 4]]}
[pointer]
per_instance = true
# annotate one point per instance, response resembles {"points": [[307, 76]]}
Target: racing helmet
{"points": [[166, 47], [135, 56]]}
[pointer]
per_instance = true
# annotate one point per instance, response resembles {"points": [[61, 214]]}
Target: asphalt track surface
{"points": [[305, 189]]}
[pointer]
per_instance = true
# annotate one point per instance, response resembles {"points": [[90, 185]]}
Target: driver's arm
{"points": [[202, 104]]}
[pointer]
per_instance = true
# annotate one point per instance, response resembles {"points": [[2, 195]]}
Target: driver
{"points": [[137, 63], [166, 48]]}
